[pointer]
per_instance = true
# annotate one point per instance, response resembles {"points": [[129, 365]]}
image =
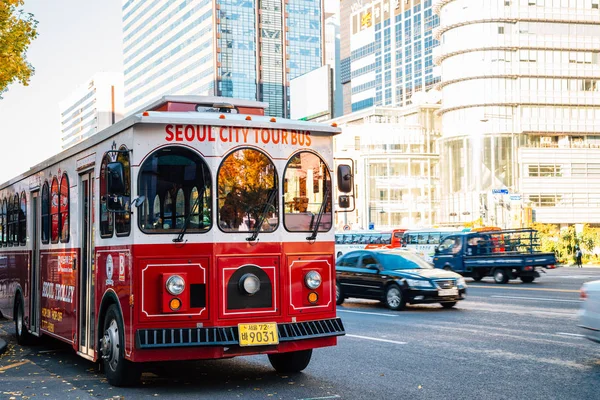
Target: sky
{"points": [[76, 39]]}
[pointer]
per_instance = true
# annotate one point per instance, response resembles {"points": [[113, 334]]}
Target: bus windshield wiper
{"points": [[268, 205], [179, 237], [313, 236]]}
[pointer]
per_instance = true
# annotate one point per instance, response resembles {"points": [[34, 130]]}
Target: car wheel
{"points": [[394, 299], [23, 335], [527, 279], [500, 276], [448, 305], [291, 362], [339, 296], [119, 371]]}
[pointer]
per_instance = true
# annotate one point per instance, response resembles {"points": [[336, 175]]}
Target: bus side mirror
{"points": [[115, 186], [344, 178]]}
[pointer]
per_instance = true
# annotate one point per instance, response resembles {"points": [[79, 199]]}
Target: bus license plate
{"points": [[258, 334], [448, 292]]}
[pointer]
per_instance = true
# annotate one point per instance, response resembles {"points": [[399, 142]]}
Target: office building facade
{"points": [[386, 52], [520, 110], [93, 106], [396, 166], [247, 49]]}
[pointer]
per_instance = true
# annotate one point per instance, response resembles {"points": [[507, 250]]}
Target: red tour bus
{"points": [[199, 229]]}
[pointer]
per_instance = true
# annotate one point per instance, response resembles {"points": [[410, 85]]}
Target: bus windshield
{"points": [[171, 180]]}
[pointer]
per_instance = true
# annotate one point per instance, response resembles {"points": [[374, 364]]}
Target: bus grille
{"points": [[228, 336]]}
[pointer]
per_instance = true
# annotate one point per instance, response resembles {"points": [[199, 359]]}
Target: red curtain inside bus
{"points": [[54, 211]]}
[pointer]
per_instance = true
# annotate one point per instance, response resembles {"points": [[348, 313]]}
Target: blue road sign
{"points": [[499, 191]]}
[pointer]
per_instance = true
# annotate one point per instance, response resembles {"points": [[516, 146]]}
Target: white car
{"points": [[589, 314]]}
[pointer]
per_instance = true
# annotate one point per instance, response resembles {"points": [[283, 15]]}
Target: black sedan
{"points": [[396, 277]]}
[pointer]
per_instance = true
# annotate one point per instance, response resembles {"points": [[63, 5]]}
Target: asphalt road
{"points": [[514, 341]]}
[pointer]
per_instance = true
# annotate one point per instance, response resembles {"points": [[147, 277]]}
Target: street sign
{"points": [[515, 197], [499, 191], [346, 227]]}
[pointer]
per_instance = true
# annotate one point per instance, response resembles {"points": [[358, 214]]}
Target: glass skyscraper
{"points": [[387, 52], [520, 111], [248, 49]]}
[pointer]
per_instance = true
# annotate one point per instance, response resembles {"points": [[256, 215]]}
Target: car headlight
{"points": [[312, 280], [461, 282], [419, 283], [250, 284], [175, 285]]}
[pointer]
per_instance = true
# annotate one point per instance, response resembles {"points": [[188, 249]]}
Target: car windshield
{"points": [[402, 260]]}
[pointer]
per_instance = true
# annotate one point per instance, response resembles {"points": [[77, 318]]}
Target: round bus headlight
{"points": [[175, 285], [312, 280], [250, 284]]}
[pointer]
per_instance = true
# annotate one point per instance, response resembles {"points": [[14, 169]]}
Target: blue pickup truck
{"points": [[504, 255]]}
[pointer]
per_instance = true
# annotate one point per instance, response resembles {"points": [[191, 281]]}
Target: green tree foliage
{"points": [[563, 242], [17, 30]]}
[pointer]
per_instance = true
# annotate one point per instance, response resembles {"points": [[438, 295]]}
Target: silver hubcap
{"points": [[499, 275], [110, 345], [393, 297]]}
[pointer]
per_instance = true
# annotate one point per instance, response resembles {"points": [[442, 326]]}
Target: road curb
{"points": [[2, 346]]}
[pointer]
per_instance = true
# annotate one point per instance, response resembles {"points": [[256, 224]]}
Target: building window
{"points": [[500, 30], [3, 223]]}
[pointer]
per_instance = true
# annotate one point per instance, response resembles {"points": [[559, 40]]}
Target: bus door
{"points": [[34, 303], [86, 271]]}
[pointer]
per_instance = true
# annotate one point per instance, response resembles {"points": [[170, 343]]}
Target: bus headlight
{"points": [[312, 280], [250, 284], [175, 285]]}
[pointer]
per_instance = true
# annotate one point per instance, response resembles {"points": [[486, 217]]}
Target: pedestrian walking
{"points": [[578, 255]]}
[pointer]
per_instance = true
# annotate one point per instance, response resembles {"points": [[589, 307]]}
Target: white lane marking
{"points": [[537, 298], [375, 339], [335, 396], [369, 313], [570, 334]]}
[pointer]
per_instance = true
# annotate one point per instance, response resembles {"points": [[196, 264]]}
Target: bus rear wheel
{"points": [[23, 335], [118, 370], [291, 362]]}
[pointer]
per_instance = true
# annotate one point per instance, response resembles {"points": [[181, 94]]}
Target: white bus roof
{"points": [[183, 117]]}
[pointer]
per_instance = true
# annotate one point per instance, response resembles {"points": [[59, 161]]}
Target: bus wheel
{"points": [[500, 276], [339, 296], [527, 279], [291, 362], [23, 335], [119, 371], [394, 299]]}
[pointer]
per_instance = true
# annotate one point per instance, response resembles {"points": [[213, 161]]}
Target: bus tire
{"points": [[119, 371], [292, 362], [339, 295], [23, 335], [527, 279], [394, 299], [500, 276]]}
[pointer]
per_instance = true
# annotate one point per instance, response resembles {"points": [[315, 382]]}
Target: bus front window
{"points": [[171, 180], [248, 193], [305, 179]]}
